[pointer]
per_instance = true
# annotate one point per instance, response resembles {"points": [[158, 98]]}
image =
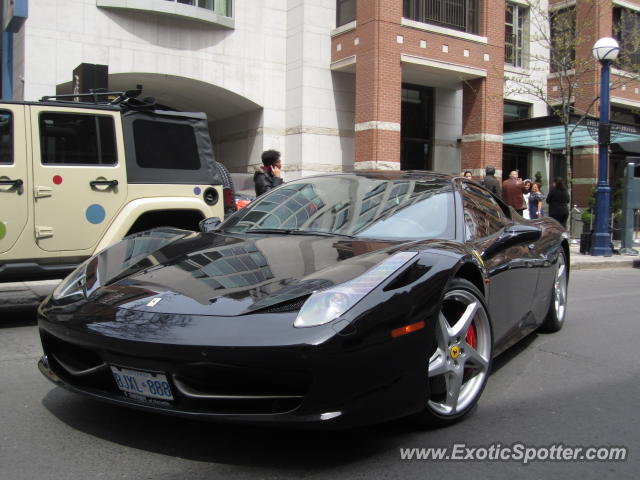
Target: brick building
{"points": [[462, 62]]}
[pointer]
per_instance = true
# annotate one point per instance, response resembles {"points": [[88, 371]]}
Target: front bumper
{"points": [[346, 381]]}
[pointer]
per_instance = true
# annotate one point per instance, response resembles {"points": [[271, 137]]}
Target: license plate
{"points": [[142, 385]]}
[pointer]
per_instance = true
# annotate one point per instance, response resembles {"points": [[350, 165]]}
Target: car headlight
{"points": [[326, 305], [73, 284]]}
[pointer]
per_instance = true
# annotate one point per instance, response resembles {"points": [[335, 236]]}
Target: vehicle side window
{"points": [[77, 139], [6, 144], [165, 145], [482, 214]]}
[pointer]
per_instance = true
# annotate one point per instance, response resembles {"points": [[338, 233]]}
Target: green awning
{"points": [[547, 133]]}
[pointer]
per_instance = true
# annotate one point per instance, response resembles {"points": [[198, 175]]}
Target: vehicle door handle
{"points": [[43, 232], [41, 191], [15, 183], [108, 183]]}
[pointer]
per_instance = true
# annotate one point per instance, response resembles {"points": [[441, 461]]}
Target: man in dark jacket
{"points": [[512, 192], [271, 174], [491, 183]]}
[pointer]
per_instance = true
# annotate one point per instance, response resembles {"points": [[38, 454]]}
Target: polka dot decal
{"points": [[3, 230], [57, 180], [197, 191], [95, 214]]}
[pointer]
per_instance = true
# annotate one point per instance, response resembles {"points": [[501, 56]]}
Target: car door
{"points": [[14, 175], [79, 175], [513, 279]]}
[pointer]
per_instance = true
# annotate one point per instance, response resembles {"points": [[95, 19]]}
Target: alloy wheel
{"points": [[459, 367], [560, 290]]}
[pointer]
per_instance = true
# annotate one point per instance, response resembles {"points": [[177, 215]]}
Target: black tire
{"points": [[557, 313], [227, 181], [459, 359]]}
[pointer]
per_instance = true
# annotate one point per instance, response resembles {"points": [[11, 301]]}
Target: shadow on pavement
{"points": [[224, 443]]}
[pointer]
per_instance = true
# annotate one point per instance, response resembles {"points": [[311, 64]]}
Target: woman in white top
{"points": [[527, 185]]}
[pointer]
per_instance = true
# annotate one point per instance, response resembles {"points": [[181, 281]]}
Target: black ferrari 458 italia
{"points": [[335, 300]]}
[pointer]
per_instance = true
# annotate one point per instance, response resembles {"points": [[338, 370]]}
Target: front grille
{"points": [[229, 389], [75, 357]]}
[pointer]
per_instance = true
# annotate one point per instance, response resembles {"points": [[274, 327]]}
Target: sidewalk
{"points": [[587, 262]]}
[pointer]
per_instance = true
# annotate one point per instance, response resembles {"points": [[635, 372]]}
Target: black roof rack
{"points": [[100, 96]]}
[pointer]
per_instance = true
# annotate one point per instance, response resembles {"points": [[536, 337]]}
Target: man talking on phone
{"points": [[271, 174]]}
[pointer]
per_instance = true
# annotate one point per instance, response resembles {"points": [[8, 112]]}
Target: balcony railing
{"points": [[460, 15]]}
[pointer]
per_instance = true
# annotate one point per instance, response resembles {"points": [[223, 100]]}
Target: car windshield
{"points": [[352, 205]]}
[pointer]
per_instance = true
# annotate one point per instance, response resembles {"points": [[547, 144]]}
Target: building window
{"points": [[625, 115], [460, 15], [345, 12], [514, 158], [626, 25], [221, 7], [516, 111], [514, 33], [563, 39]]}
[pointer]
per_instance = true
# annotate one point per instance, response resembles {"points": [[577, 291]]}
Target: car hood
{"points": [[226, 275]]}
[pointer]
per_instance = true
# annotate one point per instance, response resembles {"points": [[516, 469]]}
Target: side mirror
{"points": [[513, 235], [209, 225]]}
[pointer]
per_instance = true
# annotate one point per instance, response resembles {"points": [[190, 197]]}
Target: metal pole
{"points": [[601, 238], [627, 210]]}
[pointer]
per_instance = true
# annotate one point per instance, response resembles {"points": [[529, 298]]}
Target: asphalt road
{"points": [[578, 387]]}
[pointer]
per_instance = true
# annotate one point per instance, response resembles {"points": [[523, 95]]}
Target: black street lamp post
{"points": [[605, 51]]}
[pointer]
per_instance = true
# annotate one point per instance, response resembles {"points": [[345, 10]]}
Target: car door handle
{"points": [[108, 183], [16, 183]]}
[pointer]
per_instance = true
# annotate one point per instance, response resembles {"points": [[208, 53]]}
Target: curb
{"points": [[631, 263]]}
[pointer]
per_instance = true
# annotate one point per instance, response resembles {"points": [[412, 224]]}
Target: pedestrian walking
{"points": [[512, 190], [535, 201], [468, 174], [270, 175], [491, 183], [558, 201]]}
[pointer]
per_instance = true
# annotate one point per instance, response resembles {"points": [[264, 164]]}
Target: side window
{"points": [[77, 139], [482, 214], [165, 145], [6, 144]]}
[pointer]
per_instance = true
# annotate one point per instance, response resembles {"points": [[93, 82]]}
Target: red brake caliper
{"points": [[471, 338], [472, 341]]}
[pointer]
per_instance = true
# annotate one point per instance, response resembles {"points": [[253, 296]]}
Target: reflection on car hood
{"points": [[216, 274]]}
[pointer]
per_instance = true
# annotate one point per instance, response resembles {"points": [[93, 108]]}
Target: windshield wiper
{"points": [[283, 231], [290, 231], [320, 233]]}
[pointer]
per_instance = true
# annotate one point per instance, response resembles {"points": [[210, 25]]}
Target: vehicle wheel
{"points": [[227, 182], [460, 363], [558, 306]]}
